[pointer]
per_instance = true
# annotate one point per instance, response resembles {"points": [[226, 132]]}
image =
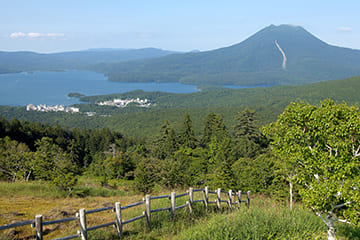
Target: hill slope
{"points": [[268, 102], [257, 60], [31, 61]]}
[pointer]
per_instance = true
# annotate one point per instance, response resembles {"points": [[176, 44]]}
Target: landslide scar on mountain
{"points": [[283, 54]]}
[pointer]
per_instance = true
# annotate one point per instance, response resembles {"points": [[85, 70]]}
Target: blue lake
{"points": [[52, 88]]}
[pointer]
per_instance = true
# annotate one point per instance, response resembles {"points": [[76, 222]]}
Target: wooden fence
{"points": [[38, 223]]}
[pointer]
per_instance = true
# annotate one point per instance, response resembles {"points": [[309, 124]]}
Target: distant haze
{"points": [[56, 26]]}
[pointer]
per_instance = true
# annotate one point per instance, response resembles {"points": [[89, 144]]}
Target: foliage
{"points": [[322, 144], [187, 137], [165, 143], [147, 174], [213, 127], [248, 141], [259, 174], [15, 160], [52, 164]]}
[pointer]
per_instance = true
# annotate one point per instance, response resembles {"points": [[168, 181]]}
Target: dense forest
{"points": [[172, 157]]}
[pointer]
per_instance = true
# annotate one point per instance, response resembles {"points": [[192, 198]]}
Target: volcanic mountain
{"points": [[282, 54]]}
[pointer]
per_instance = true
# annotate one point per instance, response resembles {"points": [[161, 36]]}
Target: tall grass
{"points": [[33, 189], [264, 219], [39, 189]]}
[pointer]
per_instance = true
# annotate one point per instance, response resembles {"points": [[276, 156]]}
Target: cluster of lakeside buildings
{"points": [[57, 108], [125, 102], [61, 108]]}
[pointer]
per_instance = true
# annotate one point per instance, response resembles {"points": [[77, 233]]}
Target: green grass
{"points": [[265, 219], [40, 189], [35, 189]]}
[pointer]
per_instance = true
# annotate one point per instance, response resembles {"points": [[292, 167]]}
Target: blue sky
{"points": [[182, 25]]}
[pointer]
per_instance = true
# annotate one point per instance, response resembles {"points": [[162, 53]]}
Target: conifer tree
{"points": [[187, 136], [248, 142], [165, 144], [213, 126]]}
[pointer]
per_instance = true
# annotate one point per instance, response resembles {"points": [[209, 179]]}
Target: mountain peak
{"points": [[284, 28], [285, 33]]}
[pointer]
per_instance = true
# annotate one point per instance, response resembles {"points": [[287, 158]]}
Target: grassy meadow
{"points": [[265, 219]]}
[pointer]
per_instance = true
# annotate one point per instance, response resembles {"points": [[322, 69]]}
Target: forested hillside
{"points": [[268, 103]]}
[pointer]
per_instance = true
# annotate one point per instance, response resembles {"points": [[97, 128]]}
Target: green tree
{"points": [[165, 144], [147, 174], [187, 136], [15, 158], [175, 171], [213, 126], [248, 141], [258, 175], [220, 160], [52, 164], [322, 146], [194, 164]]}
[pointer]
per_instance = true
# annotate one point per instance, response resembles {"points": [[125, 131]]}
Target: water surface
{"points": [[52, 88]]}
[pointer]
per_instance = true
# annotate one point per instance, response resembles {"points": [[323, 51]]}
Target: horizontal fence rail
{"points": [[232, 198]]}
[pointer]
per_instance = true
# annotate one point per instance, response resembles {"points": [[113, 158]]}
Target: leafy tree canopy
{"points": [[323, 144]]}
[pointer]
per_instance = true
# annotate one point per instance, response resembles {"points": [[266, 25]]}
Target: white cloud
{"points": [[344, 29], [17, 35], [34, 35]]}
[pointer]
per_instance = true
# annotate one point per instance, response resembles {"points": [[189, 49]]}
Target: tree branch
{"points": [[343, 220], [330, 149], [357, 154], [319, 215], [342, 205]]}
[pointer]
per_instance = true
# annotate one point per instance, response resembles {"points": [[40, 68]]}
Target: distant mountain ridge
{"points": [[275, 55], [31, 61], [256, 60]]}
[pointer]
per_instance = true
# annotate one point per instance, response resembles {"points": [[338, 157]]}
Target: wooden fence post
{"points": [[147, 210], [206, 200], [118, 218], [239, 198], [248, 199], [218, 202], [39, 227], [230, 198], [172, 199], [83, 231], [191, 198]]}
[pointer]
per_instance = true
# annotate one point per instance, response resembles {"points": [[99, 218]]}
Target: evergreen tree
{"points": [[147, 174], [187, 136], [213, 126], [220, 160], [248, 142], [165, 144]]}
